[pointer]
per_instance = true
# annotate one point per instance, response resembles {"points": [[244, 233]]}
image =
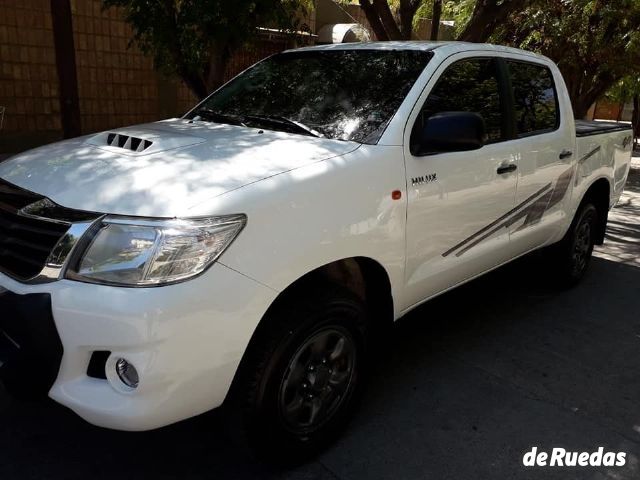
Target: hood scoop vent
{"points": [[133, 144], [142, 140]]}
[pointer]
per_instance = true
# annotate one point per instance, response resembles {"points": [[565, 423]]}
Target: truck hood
{"points": [[162, 169]]}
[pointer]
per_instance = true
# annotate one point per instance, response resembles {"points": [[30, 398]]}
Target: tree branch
{"points": [[436, 14], [384, 13], [487, 16], [408, 9], [374, 20]]}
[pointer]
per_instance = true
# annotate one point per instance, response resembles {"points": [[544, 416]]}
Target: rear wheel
{"points": [[571, 256], [302, 377]]}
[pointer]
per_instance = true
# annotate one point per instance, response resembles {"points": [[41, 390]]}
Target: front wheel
{"points": [[302, 377], [571, 256]]}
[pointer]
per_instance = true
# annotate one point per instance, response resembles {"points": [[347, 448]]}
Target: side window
{"points": [[536, 104], [470, 85]]}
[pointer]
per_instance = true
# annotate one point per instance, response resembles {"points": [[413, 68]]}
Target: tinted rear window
{"points": [[536, 104]]}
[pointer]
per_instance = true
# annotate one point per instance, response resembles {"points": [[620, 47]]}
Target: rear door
{"points": [[456, 200], [544, 138]]}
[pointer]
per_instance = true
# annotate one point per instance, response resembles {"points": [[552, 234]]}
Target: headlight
{"points": [[134, 252]]}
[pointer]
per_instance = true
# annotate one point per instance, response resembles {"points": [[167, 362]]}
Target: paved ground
{"points": [[469, 383]]}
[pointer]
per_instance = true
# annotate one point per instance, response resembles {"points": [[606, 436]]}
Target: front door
{"points": [[457, 201]]}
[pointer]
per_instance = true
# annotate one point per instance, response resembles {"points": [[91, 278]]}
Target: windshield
{"points": [[338, 94]]}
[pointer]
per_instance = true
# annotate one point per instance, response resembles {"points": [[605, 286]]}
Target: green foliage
{"points": [[594, 42], [192, 38], [625, 89], [458, 11]]}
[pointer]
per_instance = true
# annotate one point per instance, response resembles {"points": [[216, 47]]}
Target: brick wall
{"points": [[606, 110], [28, 78], [117, 85]]}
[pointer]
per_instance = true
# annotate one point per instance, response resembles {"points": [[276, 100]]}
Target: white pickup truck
{"points": [[250, 253]]}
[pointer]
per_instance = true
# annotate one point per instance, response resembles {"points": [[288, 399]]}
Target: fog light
{"points": [[127, 373]]}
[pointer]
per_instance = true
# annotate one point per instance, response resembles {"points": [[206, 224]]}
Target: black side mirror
{"points": [[450, 132]]}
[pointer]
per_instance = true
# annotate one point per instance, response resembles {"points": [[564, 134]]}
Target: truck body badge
{"points": [[431, 177]]}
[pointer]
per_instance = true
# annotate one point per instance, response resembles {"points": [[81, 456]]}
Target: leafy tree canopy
{"points": [[196, 38], [625, 89], [595, 43]]}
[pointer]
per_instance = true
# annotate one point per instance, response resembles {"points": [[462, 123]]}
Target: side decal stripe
{"points": [[590, 154], [532, 210], [496, 222], [536, 208], [554, 197]]}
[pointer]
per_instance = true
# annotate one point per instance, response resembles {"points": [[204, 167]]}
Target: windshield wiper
{"points": [[218, 117], [279, 120]]}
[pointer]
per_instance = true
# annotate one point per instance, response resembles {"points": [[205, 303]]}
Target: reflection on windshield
{"points": [[339, 94]]}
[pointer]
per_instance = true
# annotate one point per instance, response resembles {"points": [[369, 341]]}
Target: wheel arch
{"points": [[363, 276], [599, 194]]}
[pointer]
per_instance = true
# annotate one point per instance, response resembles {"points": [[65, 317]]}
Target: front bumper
{"points": [[185, 340]]}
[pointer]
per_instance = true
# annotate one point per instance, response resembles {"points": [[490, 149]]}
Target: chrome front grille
{"points": [[32, 229]]}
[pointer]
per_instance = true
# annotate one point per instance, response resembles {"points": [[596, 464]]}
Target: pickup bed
{"points": [[251, 254]]}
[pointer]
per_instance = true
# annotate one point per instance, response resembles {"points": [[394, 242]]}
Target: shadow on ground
{"points": [[465, 386], [623, 229]]}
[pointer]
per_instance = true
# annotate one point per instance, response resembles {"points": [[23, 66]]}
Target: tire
{"points": [[302, 376], [571, 256]]}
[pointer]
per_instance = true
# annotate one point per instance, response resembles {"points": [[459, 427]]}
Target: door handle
{"points": [[565, 154], [511, 167]]}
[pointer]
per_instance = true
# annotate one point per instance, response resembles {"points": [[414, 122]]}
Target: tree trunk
{"points": [[581, 101], [595, 109], [66, 68], [216, 70], [194, 83], [620, 112], [374, 20], [213, 75], [581, 107], [635, 118], [482, 16], [487, 16], [384, 13], [383, 23], [435, 19], [407, 11], [585, 90]]}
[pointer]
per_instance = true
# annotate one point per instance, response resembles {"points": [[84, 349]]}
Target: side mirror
{"points": [[451, 132]]}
